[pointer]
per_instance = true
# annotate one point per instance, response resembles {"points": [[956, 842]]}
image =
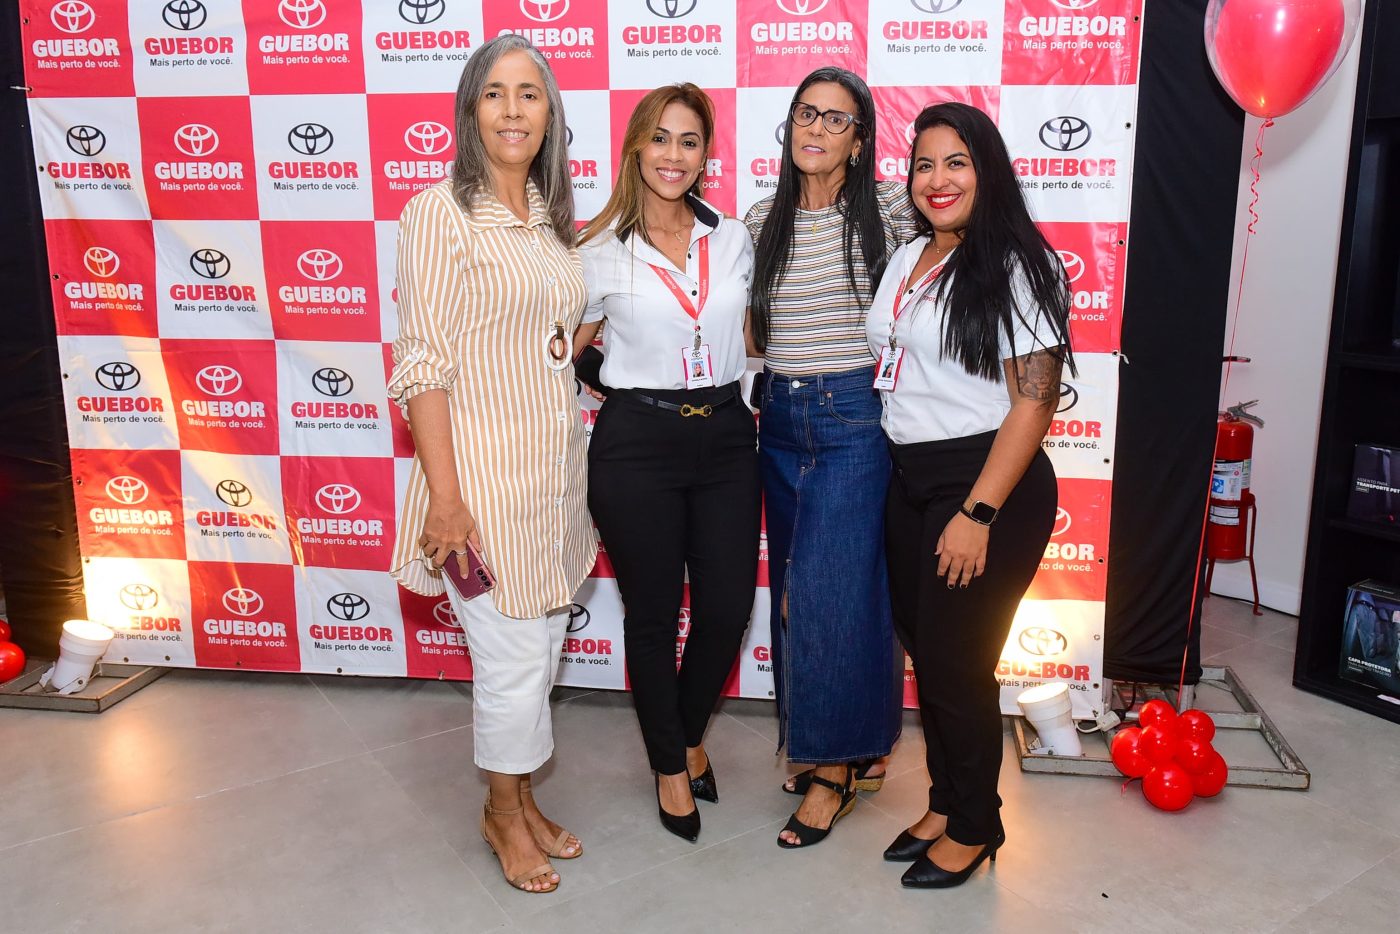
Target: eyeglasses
{"points": [[835, 121]]}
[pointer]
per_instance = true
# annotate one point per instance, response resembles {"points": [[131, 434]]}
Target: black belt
{"points": [[685, 408]]}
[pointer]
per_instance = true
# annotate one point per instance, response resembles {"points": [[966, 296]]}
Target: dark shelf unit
{"points": [[1361, 389]]}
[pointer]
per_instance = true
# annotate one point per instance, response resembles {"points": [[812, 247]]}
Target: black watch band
{"points": [[981, 513]]}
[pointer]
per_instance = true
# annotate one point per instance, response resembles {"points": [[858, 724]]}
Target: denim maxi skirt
{"points": [[837, 667]]}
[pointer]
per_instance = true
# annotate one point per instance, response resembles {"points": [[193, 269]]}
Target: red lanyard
{"points": [[703, 246], [925, 283]]}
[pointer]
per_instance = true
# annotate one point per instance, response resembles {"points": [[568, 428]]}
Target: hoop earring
{"points": [[854, 159]]}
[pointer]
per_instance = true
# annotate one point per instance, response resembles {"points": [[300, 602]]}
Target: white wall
{"points": [[1284, 322]]}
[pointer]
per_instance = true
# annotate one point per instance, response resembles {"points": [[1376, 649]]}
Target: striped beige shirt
{"points": [[817, 324], [480, 293]]}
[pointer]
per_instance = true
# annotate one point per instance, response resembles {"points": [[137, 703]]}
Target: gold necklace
{"points": [[677, 233]]}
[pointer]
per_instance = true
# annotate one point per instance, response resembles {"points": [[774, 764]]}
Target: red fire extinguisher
{"points": [[1230, 499]]}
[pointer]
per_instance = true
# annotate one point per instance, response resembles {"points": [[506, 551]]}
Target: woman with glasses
{"points": [[489, 288], [821, 244]]}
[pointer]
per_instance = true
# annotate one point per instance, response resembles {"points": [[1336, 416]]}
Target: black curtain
{"points": [[39, 560], [1181, 231]]}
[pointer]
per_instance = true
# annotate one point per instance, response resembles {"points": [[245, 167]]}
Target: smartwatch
{"points": [[980, 512]]}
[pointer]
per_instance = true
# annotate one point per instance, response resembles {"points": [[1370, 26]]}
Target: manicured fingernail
{"points": [[963, 586]]}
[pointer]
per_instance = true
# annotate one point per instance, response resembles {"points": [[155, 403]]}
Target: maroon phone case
{"points": [[478, 579]]}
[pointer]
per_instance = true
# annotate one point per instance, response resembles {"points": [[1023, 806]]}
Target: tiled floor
{"points": [[231, 802]]}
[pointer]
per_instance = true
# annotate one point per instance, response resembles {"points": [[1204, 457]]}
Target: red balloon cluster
{"points": [[11, 655], [1172, 755]]}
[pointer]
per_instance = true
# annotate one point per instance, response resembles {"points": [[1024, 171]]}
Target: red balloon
{"points": [[1126, 753], [1194, 755], [11, 661], [1156, 713], [4, 631], [1196, 724], [1208, 783], [1158, 744], [1168, 787], [1271, 55]]}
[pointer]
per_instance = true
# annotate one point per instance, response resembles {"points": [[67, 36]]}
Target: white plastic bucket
{"points": [[1047, 707], [79, 648]]}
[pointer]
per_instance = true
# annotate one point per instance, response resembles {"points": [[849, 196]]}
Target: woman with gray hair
{"points": [[489, 291]]}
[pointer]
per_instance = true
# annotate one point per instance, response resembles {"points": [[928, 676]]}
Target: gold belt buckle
{"points": [[703, 411]]}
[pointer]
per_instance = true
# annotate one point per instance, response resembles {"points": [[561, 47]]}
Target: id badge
{"points": [[887, 371], [699, 373]]}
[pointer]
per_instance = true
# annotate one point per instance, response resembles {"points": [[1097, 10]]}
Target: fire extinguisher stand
{"points": [[1233, 522]]}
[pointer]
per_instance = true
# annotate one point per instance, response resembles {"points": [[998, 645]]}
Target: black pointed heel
{"points": [[810, 836], [703, 785], [926, 874], [906, 847], [686, 826]]}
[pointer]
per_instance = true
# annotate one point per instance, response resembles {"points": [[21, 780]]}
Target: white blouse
{"points": [[935, 398], [647, 327]]}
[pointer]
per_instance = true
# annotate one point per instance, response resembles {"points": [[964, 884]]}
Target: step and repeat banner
{"points": [[221, 182]]}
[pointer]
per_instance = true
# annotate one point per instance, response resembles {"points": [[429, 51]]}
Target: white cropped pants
{"points": [[514, 663]]}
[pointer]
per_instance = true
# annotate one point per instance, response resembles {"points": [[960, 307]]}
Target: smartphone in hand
{"points": [[476, 581]]}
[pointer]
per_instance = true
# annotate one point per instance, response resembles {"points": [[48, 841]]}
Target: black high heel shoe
{"points": [[926, 874], [703, 785], [906, 847], [810, 836], [686, 826]]}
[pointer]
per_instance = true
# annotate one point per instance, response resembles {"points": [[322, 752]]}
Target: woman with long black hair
{"points": [[971, 330], [822, 241]]}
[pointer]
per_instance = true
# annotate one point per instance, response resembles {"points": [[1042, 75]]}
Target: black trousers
{"points": [[673, 494], [955, 636]]}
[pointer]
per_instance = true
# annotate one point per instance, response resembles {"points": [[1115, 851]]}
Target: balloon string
{"points": [[1254, 164]]}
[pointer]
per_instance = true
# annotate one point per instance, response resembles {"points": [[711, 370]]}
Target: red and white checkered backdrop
{"points": [[221, 182]]}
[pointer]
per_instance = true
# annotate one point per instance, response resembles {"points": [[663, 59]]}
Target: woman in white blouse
{"points": [[489, 289], [673, 471], [970, 326]]}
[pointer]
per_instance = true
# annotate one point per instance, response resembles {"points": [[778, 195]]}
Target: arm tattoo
{"points": [[1038, 376]]}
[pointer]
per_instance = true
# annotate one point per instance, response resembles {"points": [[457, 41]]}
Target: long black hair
{"points": [[860, 211], [1001, 243]]}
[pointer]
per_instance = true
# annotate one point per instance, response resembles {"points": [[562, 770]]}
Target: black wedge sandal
{"points": [[810, 836]]}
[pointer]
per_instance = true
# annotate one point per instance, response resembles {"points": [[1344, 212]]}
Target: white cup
{"points": [[79, 648], [1047, 707]]}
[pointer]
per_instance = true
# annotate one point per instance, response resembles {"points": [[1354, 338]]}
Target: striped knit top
{"points": [[480, 293], [817, 324]]}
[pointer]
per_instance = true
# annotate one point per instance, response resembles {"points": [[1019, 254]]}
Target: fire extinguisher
{"points": [[1230, 498]]}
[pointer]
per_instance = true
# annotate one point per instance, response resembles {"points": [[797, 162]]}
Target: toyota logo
{"points": [[338, 498], [332, 381], [184, 15], [1074, 4], [118, 376], [101, 262], [234, 492], [1069, 398], [427, 138], [218, 380], [86, 140], [310, 139], [72, 16], [1062, 521], [936, 7], [910, 135], [1074, 264], [568, 136], [1065, 134], [421, 12], [127, 490], [579, 617], [348, 607], [544, 11], [138, 597], [671, 9], [443, 615], [196, 140], [1038, 640], [209, 263], [780, 133], [801, 7], [302, 14], [243, 602], [319, 265]]}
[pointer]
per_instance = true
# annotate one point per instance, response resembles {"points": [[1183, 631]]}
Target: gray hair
{"points": [[549, 171]]}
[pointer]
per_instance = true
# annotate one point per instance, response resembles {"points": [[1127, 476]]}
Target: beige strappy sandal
{"points": [[556, 849], [523, 879]]}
